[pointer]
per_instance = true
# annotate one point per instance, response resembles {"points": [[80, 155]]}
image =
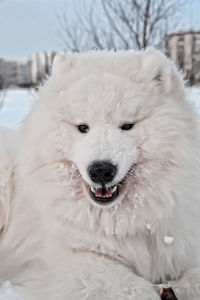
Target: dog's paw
{"points": [[167, 294]]}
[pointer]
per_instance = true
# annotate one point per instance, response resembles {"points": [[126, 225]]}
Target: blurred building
{"points": [[8, 73], [27, 73], [184, 49], [23, 74]]}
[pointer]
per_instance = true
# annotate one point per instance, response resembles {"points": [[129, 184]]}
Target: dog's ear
{"points": [[159, 71], [63, 63]]}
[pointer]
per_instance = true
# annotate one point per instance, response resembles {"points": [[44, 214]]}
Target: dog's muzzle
{"points": [[103, 173]]}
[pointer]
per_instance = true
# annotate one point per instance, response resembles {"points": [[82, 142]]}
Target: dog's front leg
{"points": [[100, 278]]}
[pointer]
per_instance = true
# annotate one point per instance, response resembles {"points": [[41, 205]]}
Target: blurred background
{"points": [[33, 31]]}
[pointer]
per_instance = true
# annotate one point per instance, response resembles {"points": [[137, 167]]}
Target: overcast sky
{"points": [[30, 26]]}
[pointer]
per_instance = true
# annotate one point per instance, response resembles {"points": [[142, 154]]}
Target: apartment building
{"points": [[184, 49]]}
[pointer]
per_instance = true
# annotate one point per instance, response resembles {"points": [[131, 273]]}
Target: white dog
{"points": [[105, 203]]}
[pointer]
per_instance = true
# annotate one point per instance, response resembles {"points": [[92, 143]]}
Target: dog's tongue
{"points": [[104, 192]]}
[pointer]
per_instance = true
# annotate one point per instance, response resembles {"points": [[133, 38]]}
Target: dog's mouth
{"points": [[104, 195]]}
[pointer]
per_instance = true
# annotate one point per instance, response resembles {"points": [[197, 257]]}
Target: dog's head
{"points": [[119, 124]]}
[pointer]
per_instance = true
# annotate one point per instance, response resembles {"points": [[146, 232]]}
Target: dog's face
{"points": [[103, 126], [114, 128]]}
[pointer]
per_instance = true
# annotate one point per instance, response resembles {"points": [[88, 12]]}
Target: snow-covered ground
{"points": [[194, 96], [14, 105], [17, 103]]}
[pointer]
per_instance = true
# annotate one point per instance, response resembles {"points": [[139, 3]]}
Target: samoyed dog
{"points": [[105, 184]]}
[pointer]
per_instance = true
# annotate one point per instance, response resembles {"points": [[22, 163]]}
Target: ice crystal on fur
{"points": [[168, 240], [148, 226]]}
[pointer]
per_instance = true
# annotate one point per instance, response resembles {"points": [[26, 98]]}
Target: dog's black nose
{"points": [[102, 172]]}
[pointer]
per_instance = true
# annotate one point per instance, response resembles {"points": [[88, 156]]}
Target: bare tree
{"points": [[119, 24]]}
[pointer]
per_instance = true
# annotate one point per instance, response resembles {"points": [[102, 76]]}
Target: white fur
{"points": [[58, 243]]}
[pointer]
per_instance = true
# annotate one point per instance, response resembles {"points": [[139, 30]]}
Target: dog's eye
{"points": [[127, 126], [83, 128]]}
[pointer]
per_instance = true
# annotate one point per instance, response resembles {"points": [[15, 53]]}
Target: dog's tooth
{"points": [[114, 189], [93, 189]]}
